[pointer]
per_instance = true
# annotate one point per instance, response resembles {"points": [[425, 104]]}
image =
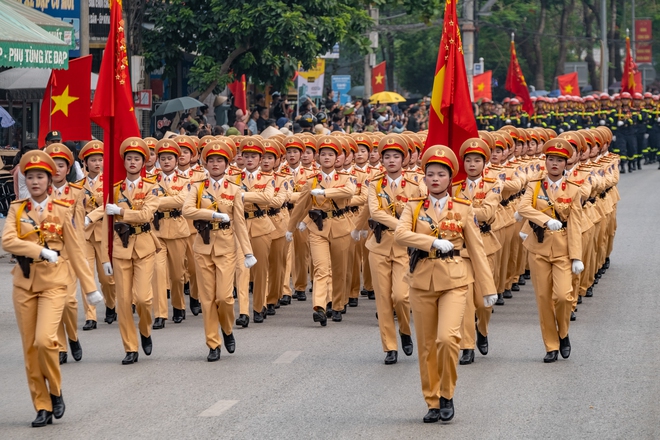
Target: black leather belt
{"points": [[288, 206], [174, 213], [436, 254], [220, 225], [255, 214], [352, 209], [484, 228], [273, 211], [139, 229]]}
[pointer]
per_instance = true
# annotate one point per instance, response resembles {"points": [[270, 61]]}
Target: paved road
{"points": [[290, 378]]}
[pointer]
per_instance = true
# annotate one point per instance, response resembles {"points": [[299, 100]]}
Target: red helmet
{"points": [[507, 99], [561, 99], [637, 95], [486, 100], [625, 95], [604, 97], [533, 98], [656, 97], [514, 101], [589, 99], [648, 95]]}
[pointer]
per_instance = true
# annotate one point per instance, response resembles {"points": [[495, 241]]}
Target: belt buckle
{"points": [[167, 214], [215, 226], [138, 230]]}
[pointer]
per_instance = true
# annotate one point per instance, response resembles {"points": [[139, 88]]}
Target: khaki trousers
{"points": [[215, 275], [551, 277], [352, 270], [190, 266], [69, 323], [93, 254], [330, 265], [242, 281], [286, 281], [171, 274], [259, 272], [437, 316], [300, 259], [505, 259], [475, 307], [133, 278], [276, 268], [363, 255], [392, 294], [515, 256], [38, 315]]}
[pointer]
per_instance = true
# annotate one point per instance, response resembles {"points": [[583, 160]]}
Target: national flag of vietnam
{"points": [[238, 89], [66, 102], [628, 83], [378, 78], [451, 119], [568, 84], [481, 86], [516, 84]]}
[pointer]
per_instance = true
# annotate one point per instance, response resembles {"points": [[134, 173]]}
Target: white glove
{"points": [[523, 235], [529, 124], [94, 298], [614, 138], [48, 255], [364, 234], [88, 221], [561, 130], [602, 122], [288, 236], [517, 216], [658, 120], [619, 123], [355, 234], [577, 267], [302, 226], [107, 269], [489, 300], [318, 192], [554, 225], [224, 218], [250, 261], [443, 246], [646, 135], [112, 209], [508, 121]]}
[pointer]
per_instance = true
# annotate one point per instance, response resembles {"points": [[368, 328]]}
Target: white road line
{"points": [[287, 357], [218, 408]]}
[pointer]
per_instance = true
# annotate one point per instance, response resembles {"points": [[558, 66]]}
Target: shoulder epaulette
{"points": [[118, 183], [62, 203], [411, 181], [416, 199], [144, 179], [343, 173], [574, 183], [378, 176], [282, 174], [264, 173], [460, 182], [230, 181], [489, 180], [463, 201], [81, 182], [19, 201], [359, 170], [75, 185]]}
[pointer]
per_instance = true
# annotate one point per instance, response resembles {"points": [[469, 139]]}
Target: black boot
{"points": [[270, 309], [63, 357], [195, 306], [500, 300], [521, 280], [110, 315], [406, 344], [76, 352], [631, 166], [177, 315], [58, 405], [186, 289], [89, 325], [352, 302], [243, 320], [507, 294], [446, 409], [320, 317], [159, 323], [43, 418], [257, 317], [391, 357], [467, 358], [147, 345], [302, 296], [286, 300], [371, 294], [514, 288]]}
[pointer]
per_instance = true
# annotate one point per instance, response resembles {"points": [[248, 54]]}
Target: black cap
{"points": [[53, 136]]}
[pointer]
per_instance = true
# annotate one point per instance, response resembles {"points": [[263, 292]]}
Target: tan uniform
{"points": [[356, 205], [173, 233], [388, 260], [438, 287], [93, 203], [216, 260], [550, 261], [39, 299], [485, 197], [300, 248], [71, 194], [328, 246], [279, 248], [134, 264]]}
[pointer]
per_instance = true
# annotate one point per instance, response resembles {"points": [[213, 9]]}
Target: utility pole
{"points": [[632, 40], [468, 41], [84, 27], [604, 54], [370, 59]]}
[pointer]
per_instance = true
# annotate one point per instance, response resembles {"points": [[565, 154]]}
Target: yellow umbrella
{"points": [[386, 98]]}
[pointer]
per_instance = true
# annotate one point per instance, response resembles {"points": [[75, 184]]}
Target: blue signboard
{"points": [[66, 10], [341, 84]]}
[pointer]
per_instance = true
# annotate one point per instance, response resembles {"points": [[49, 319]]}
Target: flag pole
{"points": [[108, 170]]}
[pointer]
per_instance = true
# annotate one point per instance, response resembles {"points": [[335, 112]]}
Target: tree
{"points": [[264, 39], [416, 56]]}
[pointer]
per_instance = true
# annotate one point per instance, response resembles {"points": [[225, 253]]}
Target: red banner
{"points": [[481, 86]]}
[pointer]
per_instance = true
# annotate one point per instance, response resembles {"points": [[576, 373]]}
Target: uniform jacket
{"points": [[485, 200], [259, 194], [171, 194], [93, 204]]}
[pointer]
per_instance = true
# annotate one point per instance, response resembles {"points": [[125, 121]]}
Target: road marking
{"points": [[218, 408], [287, 357]]}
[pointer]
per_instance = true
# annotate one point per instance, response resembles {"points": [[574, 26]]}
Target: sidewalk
{"points": [[4, 256]]}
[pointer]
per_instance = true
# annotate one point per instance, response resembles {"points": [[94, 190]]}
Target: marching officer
{"points": [[37, 231], [321, 207], [216, 207], [68, 193], [435, 228], [553, 207], [134, 247], [388, 194], [92, 156]]}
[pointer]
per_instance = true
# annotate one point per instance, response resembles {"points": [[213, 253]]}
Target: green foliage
{"points": [[264, 39], [416, 56]]}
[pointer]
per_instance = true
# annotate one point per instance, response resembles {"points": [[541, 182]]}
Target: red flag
{"points": [[237, 88], [639, 86], [112, 108], [481, 86], [628, 83], [378, 73], [568, 84], [515, 82], [451, 119], [65, 106]]}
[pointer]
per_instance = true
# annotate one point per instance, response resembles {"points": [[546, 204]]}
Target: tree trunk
{"points": [[539, 78], [567, 10], [591, 63], [614, 57]]}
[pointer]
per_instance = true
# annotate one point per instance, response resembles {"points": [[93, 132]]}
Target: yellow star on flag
{"points": [[568, 89], [481, 87], [379, 79], [62, 102]]}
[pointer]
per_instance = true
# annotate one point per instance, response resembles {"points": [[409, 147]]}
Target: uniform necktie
{"points": [[472, 185], [438, 209], [216, 186], [250, 178], [327, 179], [393, 185], [40, 211]]}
